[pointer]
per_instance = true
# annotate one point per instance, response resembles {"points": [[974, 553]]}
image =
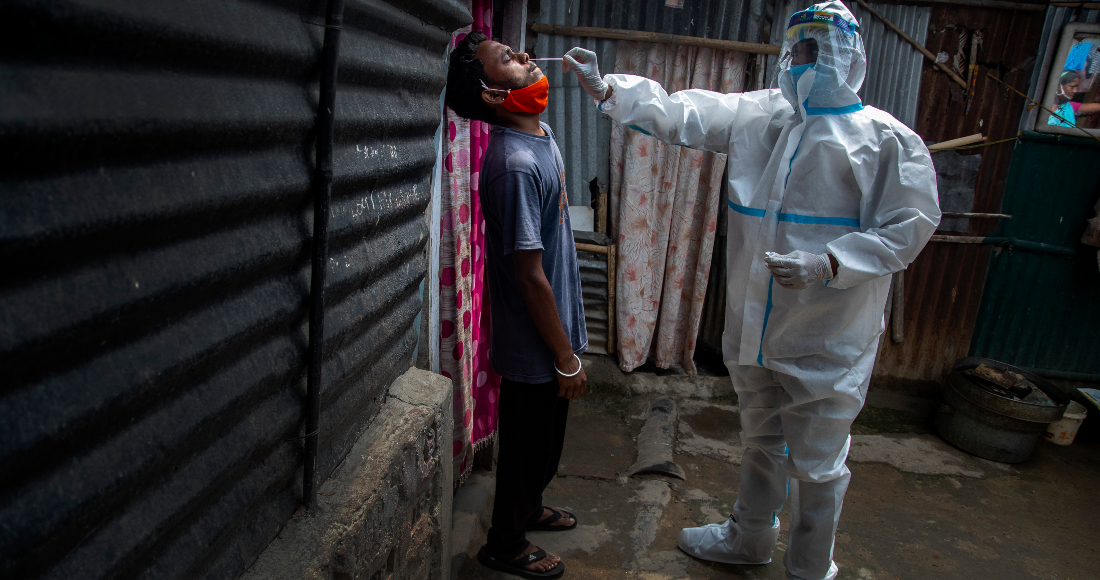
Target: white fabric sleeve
{"points": [[692, 118], [899, 210]]}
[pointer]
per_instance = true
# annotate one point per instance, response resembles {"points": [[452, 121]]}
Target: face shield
{"points": [[822, 64]]}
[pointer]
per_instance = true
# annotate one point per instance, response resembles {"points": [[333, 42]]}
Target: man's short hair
{"points": [[464, 81]]}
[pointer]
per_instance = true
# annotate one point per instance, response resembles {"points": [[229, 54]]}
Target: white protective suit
{"points": [[811, 169]]}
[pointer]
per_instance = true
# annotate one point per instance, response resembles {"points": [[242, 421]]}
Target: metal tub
{"points": [[989, 425]]}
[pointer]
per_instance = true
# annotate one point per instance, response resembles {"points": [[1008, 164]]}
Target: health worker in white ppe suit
{"points": [[826, 198]]}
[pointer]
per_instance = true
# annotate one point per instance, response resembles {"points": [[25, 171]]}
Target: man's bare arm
{"points": [[544, 311]]}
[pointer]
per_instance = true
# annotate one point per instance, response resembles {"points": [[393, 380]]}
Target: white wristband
{"points": [[579, 366]]}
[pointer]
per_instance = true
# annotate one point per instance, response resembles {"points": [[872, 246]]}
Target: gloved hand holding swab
{"points": [[583, 62]]}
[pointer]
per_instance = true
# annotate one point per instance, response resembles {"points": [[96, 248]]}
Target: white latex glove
{"points": [[583, 62], [798, 269]]}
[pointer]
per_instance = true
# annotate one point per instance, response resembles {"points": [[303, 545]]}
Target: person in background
{"points": [[534, 289], [1065, 108], [827, 198]]}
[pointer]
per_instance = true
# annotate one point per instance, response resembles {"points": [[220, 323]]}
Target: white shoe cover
{"points": [[729, 544], [833, 571]]}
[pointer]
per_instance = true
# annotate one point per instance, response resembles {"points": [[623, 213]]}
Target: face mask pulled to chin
{"points": [[530, 99]]}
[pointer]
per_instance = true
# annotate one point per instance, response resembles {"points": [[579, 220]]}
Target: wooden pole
{"points": [[963, 214], [612, 254], [927, 54], [886, 316], [591, 248], [957, 142], [659, 37], [601, 212], [897, 315], [959, 239], [972, 69]]}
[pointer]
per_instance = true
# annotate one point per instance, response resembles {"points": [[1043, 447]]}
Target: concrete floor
{"points": [[917, 508]]}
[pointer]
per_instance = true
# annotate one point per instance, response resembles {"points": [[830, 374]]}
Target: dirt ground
{"points": [[916, 508]]}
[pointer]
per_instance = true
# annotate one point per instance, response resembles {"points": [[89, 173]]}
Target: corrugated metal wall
{"points": [[583, 133], [943, 287], [1041, 310], [593, 268], [893, 65], [723, 19], [155, 221]]}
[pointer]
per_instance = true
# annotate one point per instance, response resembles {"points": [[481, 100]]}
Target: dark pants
{"points": [[530, 434]]}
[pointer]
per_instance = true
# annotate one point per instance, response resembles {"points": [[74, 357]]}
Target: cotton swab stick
{"points": [[559, 58]]}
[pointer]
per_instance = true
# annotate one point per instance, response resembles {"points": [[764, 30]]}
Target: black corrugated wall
{"points": [[156, 160]]}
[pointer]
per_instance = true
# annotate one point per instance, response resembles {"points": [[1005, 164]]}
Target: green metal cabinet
{"points": [[1041, 304]]}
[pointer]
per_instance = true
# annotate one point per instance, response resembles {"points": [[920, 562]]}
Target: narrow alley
{"points": [[917, 508]]}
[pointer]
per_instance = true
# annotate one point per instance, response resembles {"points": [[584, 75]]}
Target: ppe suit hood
{"points": [[831, 86]]}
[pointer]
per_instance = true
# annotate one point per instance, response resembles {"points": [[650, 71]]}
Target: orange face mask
{"points": [[530, 99]]}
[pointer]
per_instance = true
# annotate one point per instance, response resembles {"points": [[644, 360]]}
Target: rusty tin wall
{"points": [[944, 285], [155, 217]]}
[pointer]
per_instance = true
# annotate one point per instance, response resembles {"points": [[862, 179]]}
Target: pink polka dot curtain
{"points": [[464, 306], [664, 208]]}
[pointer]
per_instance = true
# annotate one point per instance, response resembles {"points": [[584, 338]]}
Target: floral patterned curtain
{"points": [[664, 209], [464, 308]]}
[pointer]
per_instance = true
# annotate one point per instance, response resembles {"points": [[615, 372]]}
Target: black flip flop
{"points": [[516, 566], [545, 525]]}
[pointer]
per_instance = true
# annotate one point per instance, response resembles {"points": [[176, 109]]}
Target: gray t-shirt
{"points": [[524, 201]]}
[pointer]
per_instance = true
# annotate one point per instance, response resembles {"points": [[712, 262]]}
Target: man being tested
{"points": [[826, 198], [534, 290]]}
